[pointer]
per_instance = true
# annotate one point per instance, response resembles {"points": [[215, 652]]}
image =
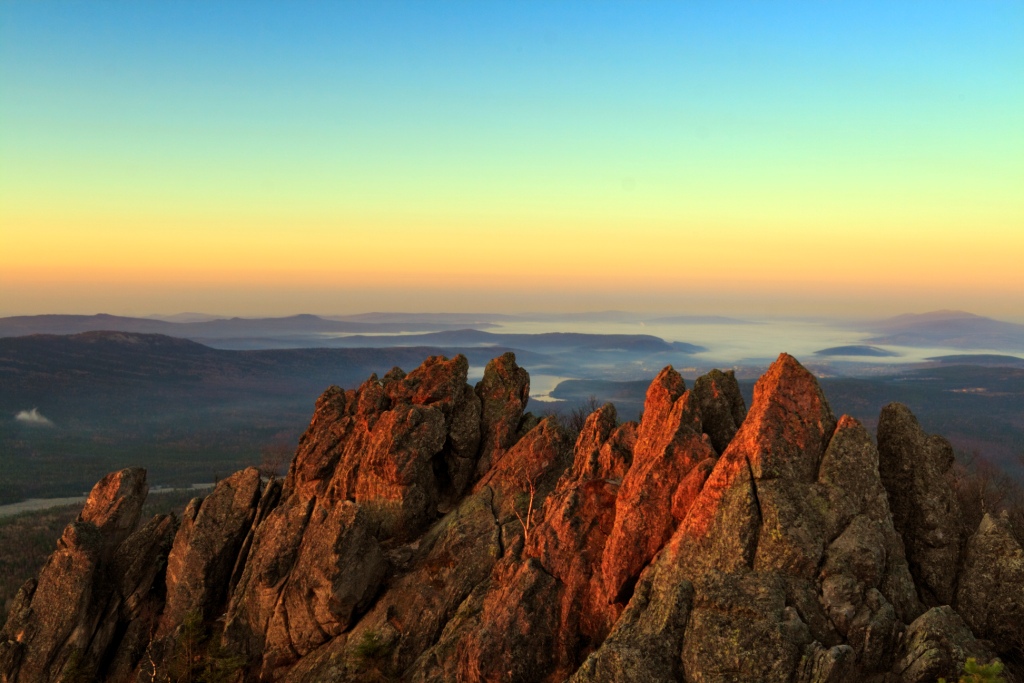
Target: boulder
{"points": [[936, 645], [990, 595]]}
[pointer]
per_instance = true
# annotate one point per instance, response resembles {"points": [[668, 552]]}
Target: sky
{"points": [[254, 158]]}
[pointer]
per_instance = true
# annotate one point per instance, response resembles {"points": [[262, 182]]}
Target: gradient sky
{"points": [[272, 158]]}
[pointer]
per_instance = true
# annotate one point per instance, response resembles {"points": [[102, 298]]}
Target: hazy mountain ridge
{"points": [[857, 350], [429, 531], [295, 325], [187, 411], [956, 329]]}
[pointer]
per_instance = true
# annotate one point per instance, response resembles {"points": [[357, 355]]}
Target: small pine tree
{"points": [[981, 673]]}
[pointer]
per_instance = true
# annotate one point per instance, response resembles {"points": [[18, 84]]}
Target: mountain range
{"points": [[953, 329], [430, 530]]}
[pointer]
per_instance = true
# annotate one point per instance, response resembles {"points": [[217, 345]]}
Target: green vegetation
{"points": [[981, 673], [367, 660], [74, 669], [371, 646]]}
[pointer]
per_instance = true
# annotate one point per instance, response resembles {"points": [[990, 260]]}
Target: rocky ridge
{"points": [[429, 530]]}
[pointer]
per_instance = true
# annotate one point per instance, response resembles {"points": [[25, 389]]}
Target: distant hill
{"points": [[954, 329], [856, 350], [306, 328], [459, 319], [988, 359], [547, 342], [188, 411], [699, 320]]}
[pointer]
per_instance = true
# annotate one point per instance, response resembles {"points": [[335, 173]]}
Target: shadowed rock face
{"points": [[431, 532], [913, 467], [503, 393], [721, 406], [990, 596], [935, 645], [206, 547]]}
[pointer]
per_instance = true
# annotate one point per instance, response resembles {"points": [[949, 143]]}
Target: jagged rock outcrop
{"points": [[604, 449], [92, 594], [402, 447], [990, 595], [936, 645], [671, 462], [428, 531], [376, 465], [503, 392], [206, 547], [722, 408], [913, 466], [761, 587]]}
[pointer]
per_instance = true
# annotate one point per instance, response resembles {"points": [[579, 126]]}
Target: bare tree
{"points": [[274, 459], [527, 521]]}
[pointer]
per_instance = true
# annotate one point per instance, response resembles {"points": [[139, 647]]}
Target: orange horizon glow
{"points": [[347, 164]]}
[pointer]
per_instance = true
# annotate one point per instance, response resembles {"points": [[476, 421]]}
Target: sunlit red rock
{"points": [[392, 552]]}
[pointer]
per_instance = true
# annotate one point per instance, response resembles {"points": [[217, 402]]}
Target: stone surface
{"points": [[206, 548], [569, 544], [404, 448], [702, 544], [454, 557], [990, 595], [763, 479], [504, 392], [595, 436], [937, 644], [336, 573], [740, 623], [721, 405], [647, 639], [532, 467], [793, 564], [63, 622], [131, 615], [913, 466], [671, 462]]}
